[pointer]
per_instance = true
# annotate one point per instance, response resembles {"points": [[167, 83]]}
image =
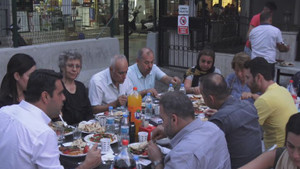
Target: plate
{"points": [[91, 126], [140, 155], [68, 155], [67, 130], [88, 137]]}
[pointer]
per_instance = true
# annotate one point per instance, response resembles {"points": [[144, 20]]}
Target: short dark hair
{"points": [[214, 84], [177, 103], [271, 5], [265, 16], [293, 125], [259, 65], [39, 81]]}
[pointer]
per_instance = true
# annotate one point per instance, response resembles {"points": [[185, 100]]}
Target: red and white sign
{"points": [[183, 25]]}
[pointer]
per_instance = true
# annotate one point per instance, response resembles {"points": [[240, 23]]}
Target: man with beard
{"points": [[195, 144], [26, 140], [144, 73], [274, 106], [111, 86]]}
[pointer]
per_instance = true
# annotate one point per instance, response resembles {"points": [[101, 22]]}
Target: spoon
{"points": [[65, 124]]}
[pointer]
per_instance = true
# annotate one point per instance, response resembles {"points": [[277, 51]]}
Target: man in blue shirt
{"points": [[144, 73], [237, 118]]}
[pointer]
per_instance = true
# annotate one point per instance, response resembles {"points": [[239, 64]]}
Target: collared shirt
{"points": [[142, 82], [198, 145], [264, 39], [274, 108], [102, 90], [236, 87], [26, 140], [238, 119]]}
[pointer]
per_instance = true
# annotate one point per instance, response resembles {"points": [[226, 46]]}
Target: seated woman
{"points": [[205, 65], [236, 81], [282, 158], [14, 83], [77, 105]]}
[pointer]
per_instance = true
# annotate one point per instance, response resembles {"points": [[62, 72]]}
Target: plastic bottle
{"points": [[170, 89], [148, 106], [182, 89], [137, 163], [291, 89], [134, 103], [138, 122], [124, 132], [110, 121], [124, 160]]}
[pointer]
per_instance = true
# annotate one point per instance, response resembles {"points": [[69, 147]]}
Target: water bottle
{"points": [[291, 89], [124, 133], [182, 89], [137, 162], [125, 158], [148, 106], [110, 121], [170, 89]]}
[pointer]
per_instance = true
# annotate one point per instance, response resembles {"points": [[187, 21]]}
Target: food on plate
{"points": [[91, 127], [78, 147], [118, 113], [55, 125], [97, 137], [286, 64], [139, 148]]}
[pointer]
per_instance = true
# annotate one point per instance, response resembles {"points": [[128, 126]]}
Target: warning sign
{"points": [[183, 25]]}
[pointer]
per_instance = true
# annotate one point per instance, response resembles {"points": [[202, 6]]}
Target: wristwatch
{"points": [[156, 162]]}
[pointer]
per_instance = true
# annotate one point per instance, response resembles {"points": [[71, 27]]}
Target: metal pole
{"points": [[112, 26], [154, 16], [15, 24], [126, 33]]}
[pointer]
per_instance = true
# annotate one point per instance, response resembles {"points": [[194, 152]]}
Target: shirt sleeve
{"points": [[158, 73], [279, 37], [95, 93], [255, 21], [190, 77], [46, 153], [263, 110]]}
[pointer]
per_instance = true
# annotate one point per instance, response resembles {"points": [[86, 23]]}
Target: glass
{"points": [[60, 134], [76, 133]]}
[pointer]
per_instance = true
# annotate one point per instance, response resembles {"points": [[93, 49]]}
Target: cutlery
{"points": [[65, 124]]}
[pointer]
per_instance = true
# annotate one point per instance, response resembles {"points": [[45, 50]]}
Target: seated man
{"points": [[144, 73], [26, 140], [238, 119], [111, 86], [195, 144], [274, 106]]}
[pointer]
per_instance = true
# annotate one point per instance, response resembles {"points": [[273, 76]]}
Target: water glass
{"points": [[76, 133], [105, 144], [101, 120], [60, 134], [143, 136]]}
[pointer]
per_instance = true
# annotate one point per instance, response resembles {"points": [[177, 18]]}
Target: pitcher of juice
{"points": [[134, 103]]}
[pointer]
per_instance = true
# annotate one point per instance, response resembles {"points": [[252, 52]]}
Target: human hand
{"points": [[196, 90], [175, 80], [152, 91], [93, 158], [121, 101], [246, 95], [154, 152], [210, 112], [158, 133]]}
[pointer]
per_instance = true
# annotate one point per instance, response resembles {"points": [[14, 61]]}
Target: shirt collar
{"points": [[108, 79], [185, 131], [35, 111]]}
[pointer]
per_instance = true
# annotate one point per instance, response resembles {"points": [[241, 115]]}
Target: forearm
{"points": [[103, 108]]}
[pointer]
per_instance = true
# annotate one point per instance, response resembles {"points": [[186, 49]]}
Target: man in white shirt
{"points": [[111, 86], [265, 39], [26, 140], [144, 73]]}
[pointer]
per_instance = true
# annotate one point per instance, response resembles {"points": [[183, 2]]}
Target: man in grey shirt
{"points": [[195, 144], [238, 119]]}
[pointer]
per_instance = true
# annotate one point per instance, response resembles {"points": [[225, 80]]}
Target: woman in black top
{"points": [[14, 83], [77, 105]]}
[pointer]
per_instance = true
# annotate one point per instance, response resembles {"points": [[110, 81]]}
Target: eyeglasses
{"points": [[73, 66]]}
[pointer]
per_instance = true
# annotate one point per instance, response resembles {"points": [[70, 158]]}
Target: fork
{"points": [[65, 124]]}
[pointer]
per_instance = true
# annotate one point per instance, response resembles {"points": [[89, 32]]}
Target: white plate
{"points": [[87, 139], [133, 144], [88, 122], [70, 133], [67, 155]]}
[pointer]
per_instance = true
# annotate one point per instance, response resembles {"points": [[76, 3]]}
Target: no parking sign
{"points": [[183, 25]]}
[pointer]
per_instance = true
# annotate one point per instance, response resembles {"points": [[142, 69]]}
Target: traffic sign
{"points": [[183, 25]]}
